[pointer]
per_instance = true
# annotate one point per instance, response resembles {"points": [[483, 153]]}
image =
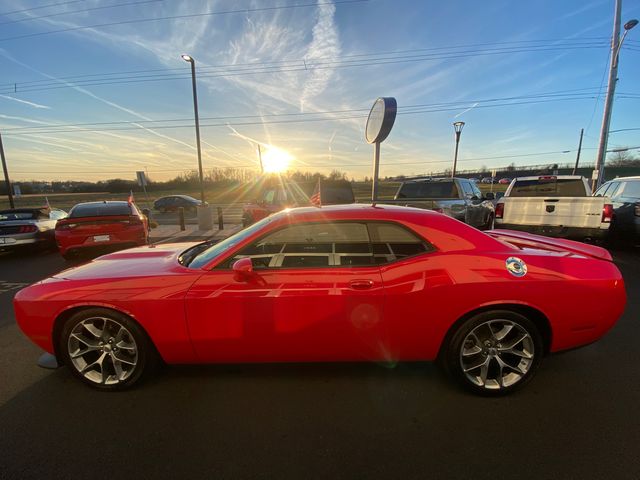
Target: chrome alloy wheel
{"points": [[102, 350], [497, 354]]}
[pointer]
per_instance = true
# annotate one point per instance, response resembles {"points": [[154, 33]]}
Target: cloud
{"points": [[31, 104]]}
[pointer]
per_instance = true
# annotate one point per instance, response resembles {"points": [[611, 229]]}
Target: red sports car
{"points": [[341, 283], [98, 226]]}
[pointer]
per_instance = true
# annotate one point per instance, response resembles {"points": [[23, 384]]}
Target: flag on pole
{"points": [[130, 199], [316, 198]]}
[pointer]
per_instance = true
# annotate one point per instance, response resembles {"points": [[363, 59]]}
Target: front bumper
{"points": [[558, 231]]}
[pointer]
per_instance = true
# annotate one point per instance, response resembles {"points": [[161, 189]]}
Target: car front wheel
{"points": [[105, 349], [494, 353]]}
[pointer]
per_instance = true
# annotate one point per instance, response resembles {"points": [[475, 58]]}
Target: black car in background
{"points": [[624, 193], [171, 203]]}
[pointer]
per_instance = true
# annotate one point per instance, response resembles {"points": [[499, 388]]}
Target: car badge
{"points": [[551, 208], [516, 267]]}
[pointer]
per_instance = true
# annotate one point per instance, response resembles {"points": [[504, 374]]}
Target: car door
{"points": [[474, 208], [315, 294]]}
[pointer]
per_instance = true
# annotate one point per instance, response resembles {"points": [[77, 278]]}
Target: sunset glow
{"points": [[275, 160]]}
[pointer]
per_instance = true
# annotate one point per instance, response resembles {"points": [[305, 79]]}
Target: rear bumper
{"points": [[18, 241], [70, 243], [558, 231]]}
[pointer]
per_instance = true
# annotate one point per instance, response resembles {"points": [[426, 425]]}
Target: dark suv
{"points": [[625, 196]]}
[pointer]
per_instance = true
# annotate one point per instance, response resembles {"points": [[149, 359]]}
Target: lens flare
{"points": [[275, 160]]}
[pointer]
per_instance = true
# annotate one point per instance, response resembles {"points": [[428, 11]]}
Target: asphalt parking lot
{"points": [[577, 419]]}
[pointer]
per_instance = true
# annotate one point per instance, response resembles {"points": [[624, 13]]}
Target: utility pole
{"points": [[616, 44], [458, 129], [260, 158], [6, 175], [575, 169]]}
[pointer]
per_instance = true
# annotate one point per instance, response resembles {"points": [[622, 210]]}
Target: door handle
{"points": [[361, 284]]}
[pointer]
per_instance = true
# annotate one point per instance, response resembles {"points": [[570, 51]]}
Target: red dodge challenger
{"points": [[342, 283]]}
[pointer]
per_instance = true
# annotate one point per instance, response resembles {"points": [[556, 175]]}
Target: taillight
{"points": [[27, 229], [499, 210], [135, 221], [63, 226], [607, 213]]}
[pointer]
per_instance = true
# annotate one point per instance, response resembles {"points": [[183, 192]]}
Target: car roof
{"points": [[559, 177], [355, 211], [636, 177], [104, 202]]}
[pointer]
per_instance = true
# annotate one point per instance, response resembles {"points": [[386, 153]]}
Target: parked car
{"points": [[486, 180], [275, 196], [99, 226], [459, 198], [504, 181], [29, 227], [339, 283], [558, 206], [624, 194], [171, 203]]}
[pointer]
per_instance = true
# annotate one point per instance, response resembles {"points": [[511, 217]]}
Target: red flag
{"points": [[316, 198], [130, 199]]}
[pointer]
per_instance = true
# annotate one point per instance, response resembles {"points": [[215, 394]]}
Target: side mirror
{"points": [[489, 196], [243, 266]]}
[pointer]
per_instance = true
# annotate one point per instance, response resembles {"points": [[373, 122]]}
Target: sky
{"points": [[96, 89]]}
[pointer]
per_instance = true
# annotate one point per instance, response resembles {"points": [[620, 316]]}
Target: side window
{"points": [[602, 191], [311, 245], [392, 242], [476, 190], [466, 187], [616, 190]]}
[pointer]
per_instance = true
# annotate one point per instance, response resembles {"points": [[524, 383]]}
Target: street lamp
{"points": [[192, 62], [616, 45], [457, 126]]}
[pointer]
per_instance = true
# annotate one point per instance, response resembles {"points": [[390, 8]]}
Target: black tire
{"points": [[493, 351], [124, 343]]}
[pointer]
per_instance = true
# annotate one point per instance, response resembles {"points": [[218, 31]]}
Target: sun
{"points": [[275, 160]]}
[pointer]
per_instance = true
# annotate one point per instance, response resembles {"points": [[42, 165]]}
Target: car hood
{"points": [[150, 260]]}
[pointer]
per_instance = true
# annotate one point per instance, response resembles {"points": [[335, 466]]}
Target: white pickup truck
{"points": [[554, 205]]}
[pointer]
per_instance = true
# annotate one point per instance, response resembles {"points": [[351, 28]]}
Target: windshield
{"points": [[209, 254], [569, 187]]}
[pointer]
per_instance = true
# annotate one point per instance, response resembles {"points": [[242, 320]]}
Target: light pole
{"points": [[616, 44], [457, 126], [192, 62]]}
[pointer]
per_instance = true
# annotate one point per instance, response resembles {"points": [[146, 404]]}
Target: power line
{"points": [[41, 7], [303, 66], [174, 17], [585, 41], [102, 7], [456, 104], [339, 115]]}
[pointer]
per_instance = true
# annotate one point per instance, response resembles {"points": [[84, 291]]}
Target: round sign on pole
{"points": [[381, 119]]}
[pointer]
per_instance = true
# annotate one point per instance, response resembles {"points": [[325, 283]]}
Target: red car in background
{"points": [[100, 226], [343, 283], [275, 196]]}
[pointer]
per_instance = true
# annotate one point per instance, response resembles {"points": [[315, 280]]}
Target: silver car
{"points": [[29, 227]]}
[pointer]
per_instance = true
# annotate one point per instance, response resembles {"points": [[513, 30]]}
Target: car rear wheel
{"points": [[106, 350], [494, 353]]}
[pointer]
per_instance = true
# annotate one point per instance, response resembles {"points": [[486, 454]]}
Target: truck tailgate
{"points": [[581, 212]]}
